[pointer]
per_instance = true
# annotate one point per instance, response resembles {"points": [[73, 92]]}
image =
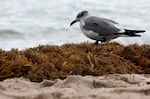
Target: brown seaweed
{"points": [[52, 62]]}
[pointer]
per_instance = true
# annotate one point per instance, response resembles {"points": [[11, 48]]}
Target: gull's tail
{"points": [[133, 32]]}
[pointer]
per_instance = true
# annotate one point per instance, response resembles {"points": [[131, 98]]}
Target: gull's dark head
{"points": [[80, 15]]}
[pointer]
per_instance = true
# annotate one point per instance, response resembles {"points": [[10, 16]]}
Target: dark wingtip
{"points": [[144, 30], [134, 31], [140, 31], [137, 35]]}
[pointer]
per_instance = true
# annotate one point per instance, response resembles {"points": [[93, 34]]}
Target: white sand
{"points": [[127, 86]]}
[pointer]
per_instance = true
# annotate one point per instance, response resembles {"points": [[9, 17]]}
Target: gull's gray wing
{"points": [[103, 27], [110, 20]]}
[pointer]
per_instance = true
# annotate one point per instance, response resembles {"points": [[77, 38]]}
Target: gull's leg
{"points": [[96, 43], [104, 40]]}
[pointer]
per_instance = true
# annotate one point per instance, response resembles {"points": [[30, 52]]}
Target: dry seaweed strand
{"points": [[52, 62]]}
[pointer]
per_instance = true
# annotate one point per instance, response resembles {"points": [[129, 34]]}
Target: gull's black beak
{"points": [[73, 22]]}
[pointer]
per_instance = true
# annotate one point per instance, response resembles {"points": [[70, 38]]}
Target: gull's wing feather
{"points": [[104, 27]]}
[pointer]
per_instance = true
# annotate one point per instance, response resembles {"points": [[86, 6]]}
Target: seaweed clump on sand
{"points": [[139, 55], [52, 62]]}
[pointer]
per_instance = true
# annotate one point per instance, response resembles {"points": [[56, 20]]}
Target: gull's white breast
{"points": [[89, 33]]}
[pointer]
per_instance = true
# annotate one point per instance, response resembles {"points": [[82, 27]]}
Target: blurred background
{"points": [[29, 23]]}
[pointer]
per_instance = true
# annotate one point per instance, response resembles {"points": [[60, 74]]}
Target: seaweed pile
{"points": [[52, 62]]}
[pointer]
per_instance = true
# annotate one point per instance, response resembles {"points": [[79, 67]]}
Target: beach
{"points": [[125, 86], [76, 71], [42, 57]]}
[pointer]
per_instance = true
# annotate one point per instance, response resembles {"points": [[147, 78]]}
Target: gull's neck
{"points": [[82, 20]]}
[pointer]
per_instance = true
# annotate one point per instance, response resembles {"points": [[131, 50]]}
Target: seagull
{"points": [[102, 29]]}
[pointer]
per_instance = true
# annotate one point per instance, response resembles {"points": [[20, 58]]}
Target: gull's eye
{"points": [[80, 15]]}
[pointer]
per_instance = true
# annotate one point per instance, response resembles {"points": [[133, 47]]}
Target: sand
{"points": [[117, 86]]}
